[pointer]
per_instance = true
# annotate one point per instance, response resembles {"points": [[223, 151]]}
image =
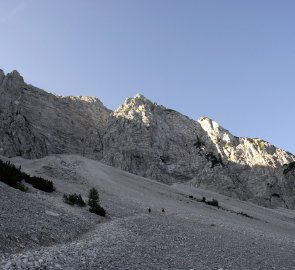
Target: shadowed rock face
{"points": [[146, 139], [35, 123]]}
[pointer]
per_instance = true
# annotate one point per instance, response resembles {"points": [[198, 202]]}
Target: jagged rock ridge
{"points": [[160, 143], [35, 123], [146, 139]]}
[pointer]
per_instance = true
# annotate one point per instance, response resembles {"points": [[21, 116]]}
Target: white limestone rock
{"points": [[247, 151], [153, 141]]}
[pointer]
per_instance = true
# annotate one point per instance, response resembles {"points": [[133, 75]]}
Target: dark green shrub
{"points": [[215, 160], [93, 197], [199, 144], [93, 202], [40, 183], [290, 167], [213, 203], [81, 201], [74, 199], [98, 210], [13, 177], [244, 215]]}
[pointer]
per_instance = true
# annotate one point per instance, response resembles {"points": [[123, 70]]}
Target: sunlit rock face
{"points": [[252, 168], [35, 123], [153, 141], [252, 152], [146, 139]]}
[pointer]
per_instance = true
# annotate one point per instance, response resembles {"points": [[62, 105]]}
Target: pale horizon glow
{"points": [[230, 60]]}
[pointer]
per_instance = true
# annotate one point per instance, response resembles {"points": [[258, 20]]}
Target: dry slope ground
{"points": [[38, 231]]}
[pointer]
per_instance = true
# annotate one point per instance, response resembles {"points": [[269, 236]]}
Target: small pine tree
{"points": [[74, 199], [93, 197], [93, 202], [80, 200]]}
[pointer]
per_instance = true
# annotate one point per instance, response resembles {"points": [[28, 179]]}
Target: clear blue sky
{"points": [[233, 61]]}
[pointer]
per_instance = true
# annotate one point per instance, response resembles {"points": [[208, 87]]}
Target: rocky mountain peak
{"points": [[139, 96], [15, 75], [35, 123], [12, 80], [138, 109]]}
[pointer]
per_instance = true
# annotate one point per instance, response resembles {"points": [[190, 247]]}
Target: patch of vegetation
{"points": [[251, 140], [13, 177], [170, 110], [213, 203], [215, 161], [289, 153], [40, 183], [93, 202], [73, 199], [199, 144], [165, 159], [290, 167], [244, 215], [261, 144], [217, 140], [228, 145]]}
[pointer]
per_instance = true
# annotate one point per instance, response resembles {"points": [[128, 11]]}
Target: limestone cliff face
{"points": [[146, 139], [246, 151], [157, 142], [35, 123], [153, 141], [251, 169]]}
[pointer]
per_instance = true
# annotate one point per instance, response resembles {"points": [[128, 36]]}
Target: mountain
{"points": [[153, 141], [35, 123], [146, 139]]}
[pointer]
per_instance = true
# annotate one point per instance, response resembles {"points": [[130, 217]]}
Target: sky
{"points": [[230, 60]]}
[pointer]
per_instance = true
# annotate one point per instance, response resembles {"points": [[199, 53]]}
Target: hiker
{"points": [[163, 210], [150, 210]]}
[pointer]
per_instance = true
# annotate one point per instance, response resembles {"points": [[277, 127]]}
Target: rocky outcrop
{"points": [[35, 123], [146, 139], [153, 141], [244, 151]]}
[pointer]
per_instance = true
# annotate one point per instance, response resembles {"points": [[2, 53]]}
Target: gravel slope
{"points": [[189, 235]]}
